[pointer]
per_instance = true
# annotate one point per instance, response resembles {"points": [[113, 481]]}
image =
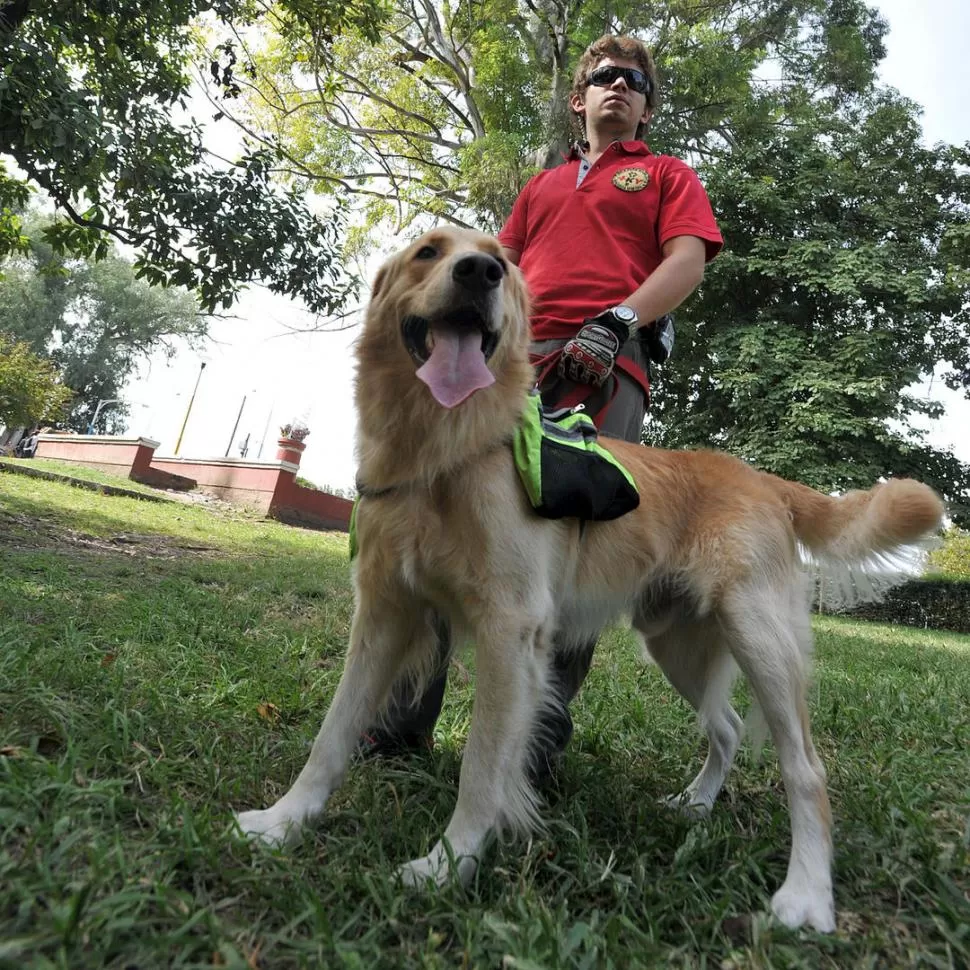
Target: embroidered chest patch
{"points": [[631, 179]]}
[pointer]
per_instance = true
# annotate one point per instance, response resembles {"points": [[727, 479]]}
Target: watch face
{"points": [[625, 314]]}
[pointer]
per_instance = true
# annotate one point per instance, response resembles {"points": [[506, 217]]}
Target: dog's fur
{"points": [[709, 567]]}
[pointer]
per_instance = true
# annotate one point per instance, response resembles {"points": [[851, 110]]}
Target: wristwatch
{"points": [[626, 317]]}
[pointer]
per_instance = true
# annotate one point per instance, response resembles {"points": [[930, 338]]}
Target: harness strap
{"points": [[546, 365]]}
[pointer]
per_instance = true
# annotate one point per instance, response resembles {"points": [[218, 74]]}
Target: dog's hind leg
{"points": [[696, 661], [493, 791], [767, 630], [383, 641]]}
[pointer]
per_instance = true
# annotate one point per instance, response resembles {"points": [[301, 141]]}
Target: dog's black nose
{"points": [[478, 271]]}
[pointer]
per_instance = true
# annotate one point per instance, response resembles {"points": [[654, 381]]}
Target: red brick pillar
{"points": [[141, 466], [290, 450]]}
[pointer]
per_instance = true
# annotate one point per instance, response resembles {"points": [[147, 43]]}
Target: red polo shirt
{"points": [[586, 248]]}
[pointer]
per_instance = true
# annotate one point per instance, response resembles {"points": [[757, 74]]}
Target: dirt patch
{"points": [[28, 532]]}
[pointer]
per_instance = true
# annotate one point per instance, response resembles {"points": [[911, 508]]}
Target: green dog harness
{"points": [[564, 470]]}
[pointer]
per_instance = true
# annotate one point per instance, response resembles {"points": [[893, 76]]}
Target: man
{"points": [[609, 243]]}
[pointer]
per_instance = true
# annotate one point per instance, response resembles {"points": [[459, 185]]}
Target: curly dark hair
{"points": [[619, 46]]}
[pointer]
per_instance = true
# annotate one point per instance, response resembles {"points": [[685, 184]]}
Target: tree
{"points": [[31, 390], [89, 94], [844, 282], [455, 105], [845, 275], [13, 199], [93, 320]]}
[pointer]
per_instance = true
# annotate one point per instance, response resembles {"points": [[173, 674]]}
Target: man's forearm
{"points": [[678, 275], [665, 289]]}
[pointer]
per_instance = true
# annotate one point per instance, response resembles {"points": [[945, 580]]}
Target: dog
{"points": [[710, 567]]}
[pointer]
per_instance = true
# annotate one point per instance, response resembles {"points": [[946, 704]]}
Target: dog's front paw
{"points": [[270, 826], [424, 872], [435, 869], [799, 906], [688, 805]]}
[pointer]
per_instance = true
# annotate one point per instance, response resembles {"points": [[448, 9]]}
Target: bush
{"points": [[30, 386], [939, 604], [348, 493], [952, 559]]}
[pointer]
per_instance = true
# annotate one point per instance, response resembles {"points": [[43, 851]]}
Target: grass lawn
{"points": [[82, 472], [162, 665]]}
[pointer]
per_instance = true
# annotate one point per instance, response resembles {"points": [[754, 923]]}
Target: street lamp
{"points": [[262, 441], [235, 427], [101, 404], [188, 410]]}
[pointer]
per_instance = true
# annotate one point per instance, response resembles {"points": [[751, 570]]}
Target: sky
{"points": [[257, 362]]}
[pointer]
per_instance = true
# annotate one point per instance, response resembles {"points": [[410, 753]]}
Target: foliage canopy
{"points": [[30, 385], [92, 320], [91, 97]]}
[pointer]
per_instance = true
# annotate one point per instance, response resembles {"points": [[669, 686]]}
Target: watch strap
{"points": [[623, 328]]}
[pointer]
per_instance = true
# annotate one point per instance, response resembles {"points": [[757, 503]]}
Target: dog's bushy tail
{"points": [[863, 542]]}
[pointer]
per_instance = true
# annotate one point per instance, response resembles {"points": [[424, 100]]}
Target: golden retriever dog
{"points": [[710, 567]]}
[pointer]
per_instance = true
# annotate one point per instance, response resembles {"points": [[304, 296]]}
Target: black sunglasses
{"points": [[604, 76]]}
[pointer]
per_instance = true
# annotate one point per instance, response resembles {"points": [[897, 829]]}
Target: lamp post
{"points": [[104, 402], [262, 441], [232, 437], [188, 410]]}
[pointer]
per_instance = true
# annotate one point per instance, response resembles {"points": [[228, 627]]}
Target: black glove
{"points": [[588, 358]]}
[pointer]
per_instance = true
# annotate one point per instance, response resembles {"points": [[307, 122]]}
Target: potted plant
{"points": [[292, 441], [294, 431]]}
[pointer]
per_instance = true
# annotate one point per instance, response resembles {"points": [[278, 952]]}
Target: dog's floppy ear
{"points": [[519, 295], [379, 281]]}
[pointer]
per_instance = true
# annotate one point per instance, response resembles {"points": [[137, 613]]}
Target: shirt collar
{"points": [[632, 147]]}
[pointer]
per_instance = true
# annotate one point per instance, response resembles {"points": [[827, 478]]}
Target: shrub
{"points": [[30, 386], [936, 603], [348, 493], [952, 559]]}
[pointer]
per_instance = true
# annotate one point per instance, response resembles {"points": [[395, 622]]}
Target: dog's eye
{"points": [[426, 252]]}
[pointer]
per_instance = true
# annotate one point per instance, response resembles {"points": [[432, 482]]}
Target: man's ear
{"points": [[578, 103]]}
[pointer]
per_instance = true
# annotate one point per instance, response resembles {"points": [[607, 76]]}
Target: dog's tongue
{"points": [[456, 367]]}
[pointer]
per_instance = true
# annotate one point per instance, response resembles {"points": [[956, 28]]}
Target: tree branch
{"points": [[380, 99], [122, 233], [449, 104]]}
